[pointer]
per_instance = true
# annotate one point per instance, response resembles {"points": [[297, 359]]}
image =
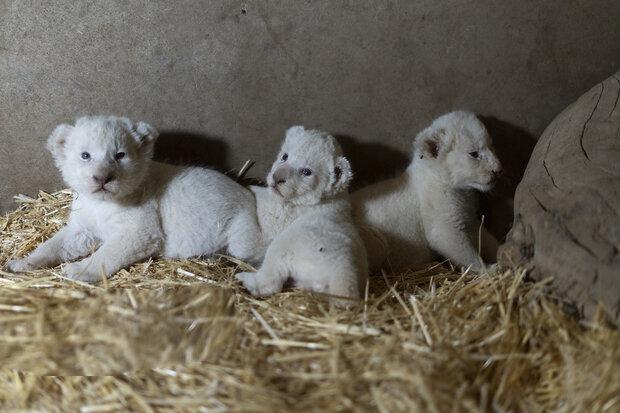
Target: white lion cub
{"points": [[127, 207], [431, 208], [306, 214]]}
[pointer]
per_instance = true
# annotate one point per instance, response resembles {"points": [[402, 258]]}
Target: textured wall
{"points": [[225, 78]]}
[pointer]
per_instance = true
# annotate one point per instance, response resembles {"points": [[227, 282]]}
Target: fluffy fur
{"points": [[127, 207], [305, 215], [431, 208]]}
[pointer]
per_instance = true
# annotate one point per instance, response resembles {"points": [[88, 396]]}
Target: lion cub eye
{"points": [[474, 154], [85, 156], [305, 171], [119, 156], [285, 157]]}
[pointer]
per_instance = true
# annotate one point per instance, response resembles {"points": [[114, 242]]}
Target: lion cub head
{"points": [[458, 145], [103, 157], [310, 167]]}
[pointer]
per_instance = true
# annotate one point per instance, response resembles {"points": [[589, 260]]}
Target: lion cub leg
{"points": [[67, 244], [274, 271], [455, 244], [115, 253]]}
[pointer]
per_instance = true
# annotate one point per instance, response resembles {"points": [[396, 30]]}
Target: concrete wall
{"points": [[223, 79]]}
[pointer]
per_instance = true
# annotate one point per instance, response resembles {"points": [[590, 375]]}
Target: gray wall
{"points": [[225, 78]]}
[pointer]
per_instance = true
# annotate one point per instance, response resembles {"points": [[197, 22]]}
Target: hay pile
{"points": [[182, 336]]}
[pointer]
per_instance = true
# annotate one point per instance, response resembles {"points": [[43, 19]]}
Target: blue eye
{"points": [[85, 156], [305, 171], [119, 156]]}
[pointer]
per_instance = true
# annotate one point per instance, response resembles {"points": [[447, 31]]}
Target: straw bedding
{"points": [[183, 336]]}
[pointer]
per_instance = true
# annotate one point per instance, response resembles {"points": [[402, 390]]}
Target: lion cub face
{"points": [[103, 157], [310, 167], [460, 144]]}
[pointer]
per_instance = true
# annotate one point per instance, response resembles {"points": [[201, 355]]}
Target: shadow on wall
{"points": [[193, 149], [372, 161], [186, 148], [513, 146]]}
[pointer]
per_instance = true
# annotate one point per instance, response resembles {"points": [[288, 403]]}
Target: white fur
{"points": [[131, 208], [307, 220], [431, 208]]}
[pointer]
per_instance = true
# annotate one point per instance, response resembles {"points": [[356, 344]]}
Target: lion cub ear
{"points": [[145, 135], [431, 143], [293, 133], [293, 130], [57, 141], [341, 175]]}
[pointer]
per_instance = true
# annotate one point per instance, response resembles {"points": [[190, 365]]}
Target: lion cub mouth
{"points": [[276, 190], [102, 189]]}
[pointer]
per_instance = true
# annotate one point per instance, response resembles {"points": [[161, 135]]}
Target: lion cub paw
{"points": [[81, 271], [19, 265]]}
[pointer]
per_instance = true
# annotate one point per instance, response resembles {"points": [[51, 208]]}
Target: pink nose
{"points": [[103, 179], [280, 175]]}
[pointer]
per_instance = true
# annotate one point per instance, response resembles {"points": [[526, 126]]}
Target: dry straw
{"points": [[183, 336]]}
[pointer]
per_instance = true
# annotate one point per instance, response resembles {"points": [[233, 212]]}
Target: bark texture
{"points": [[567, 207]]}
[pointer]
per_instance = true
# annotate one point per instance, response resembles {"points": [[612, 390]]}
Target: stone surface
{"points": [[223, 79], [567, 208]]}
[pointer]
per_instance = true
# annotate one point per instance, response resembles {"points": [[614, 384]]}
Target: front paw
{"points": [[248, 279], [258, 284], [21, 265], [81, 271]]}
